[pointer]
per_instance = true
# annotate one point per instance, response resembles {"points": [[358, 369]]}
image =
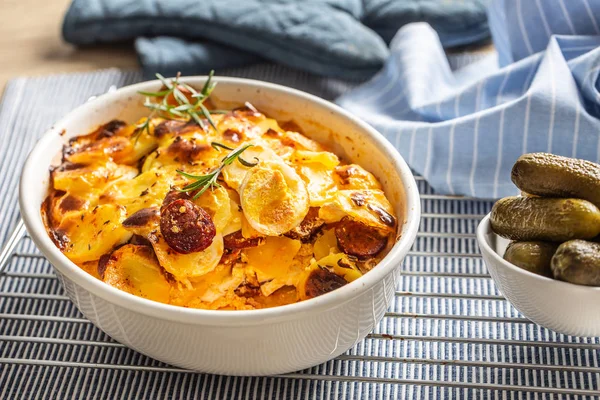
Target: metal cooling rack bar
{"points": [[6, 256], [372, 336], [339, 378], [7, 250], [348, 357]]}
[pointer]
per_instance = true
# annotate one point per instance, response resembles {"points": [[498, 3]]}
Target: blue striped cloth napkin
{"points": [[464, 129]]}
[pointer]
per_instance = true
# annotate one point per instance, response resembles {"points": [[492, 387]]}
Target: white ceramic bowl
{"points": [[256, 342], [560, 306]]}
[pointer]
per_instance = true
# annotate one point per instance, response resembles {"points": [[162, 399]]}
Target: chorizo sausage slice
{"points": [[359, 240], [186, 227], [308, 228], [236, 241], [141, 218], [321, 281], [172, 196]]}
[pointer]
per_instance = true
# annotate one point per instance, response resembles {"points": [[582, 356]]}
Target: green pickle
{"points": [[577, 261], [545, 219], [532, 256], [545, 174]]}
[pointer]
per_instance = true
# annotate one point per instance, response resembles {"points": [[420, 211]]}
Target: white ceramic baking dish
{"points": [[256, 342]]}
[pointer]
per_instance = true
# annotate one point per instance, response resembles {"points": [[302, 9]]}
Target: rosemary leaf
{"points": [[207, 116], [184, 108], [188, 87], [154, 94], [165, 108], [204, 189], [208, 85], [209, 181], [196, 118], [217, 146], [180, 96], [165, 81], [190, 176], [248, 163], [140, 128]]}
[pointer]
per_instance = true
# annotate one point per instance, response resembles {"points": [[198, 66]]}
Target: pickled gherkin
{"points": [[545, 174], [546, 219], [532, 256], [577, 261]]}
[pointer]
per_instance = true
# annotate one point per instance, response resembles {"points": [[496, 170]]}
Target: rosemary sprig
{"points": [[140, 128], [209, 181], [184, 107], [217, 146]]}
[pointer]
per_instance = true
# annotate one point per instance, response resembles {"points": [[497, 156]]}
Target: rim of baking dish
{"points": [[30, 213]]}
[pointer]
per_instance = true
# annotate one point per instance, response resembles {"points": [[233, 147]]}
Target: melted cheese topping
{"points": [[115, 172]]}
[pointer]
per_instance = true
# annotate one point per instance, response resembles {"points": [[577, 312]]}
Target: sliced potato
{"points": [[134, 269], [237, 221], [63, 204], [248, 230], [150, 162], [274, 199], [341, 265], [235, 173], [325, 244], [327, 159], [316, 168], [236, 128], [274, 274], [300, 142], [217, 204], [148, 189], [370, 207], [319, 182], [116, 148], [187, 267], [235, 210], [143, 144], [91, 178], [210, 288], [92, 234], [354, 176]]}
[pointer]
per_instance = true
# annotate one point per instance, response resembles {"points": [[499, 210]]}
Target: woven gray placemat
{"points": [[448, 332]]}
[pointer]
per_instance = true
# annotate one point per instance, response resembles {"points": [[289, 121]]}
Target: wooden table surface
{"points": [[31, 43]]}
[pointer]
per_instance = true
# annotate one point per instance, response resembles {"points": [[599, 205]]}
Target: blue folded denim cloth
{"points": [[463, 130], [343, 38]]}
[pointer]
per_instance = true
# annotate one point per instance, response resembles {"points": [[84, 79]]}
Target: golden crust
{"points": [[279, 257]]}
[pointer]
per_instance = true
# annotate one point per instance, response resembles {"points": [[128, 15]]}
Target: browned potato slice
{"points": [[368, 206], [94, 233], [134, 269], [354, 176], [274, 199], [90, 178]]}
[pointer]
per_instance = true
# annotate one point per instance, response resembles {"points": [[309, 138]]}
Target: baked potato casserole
{"points": [[214, 209]]}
